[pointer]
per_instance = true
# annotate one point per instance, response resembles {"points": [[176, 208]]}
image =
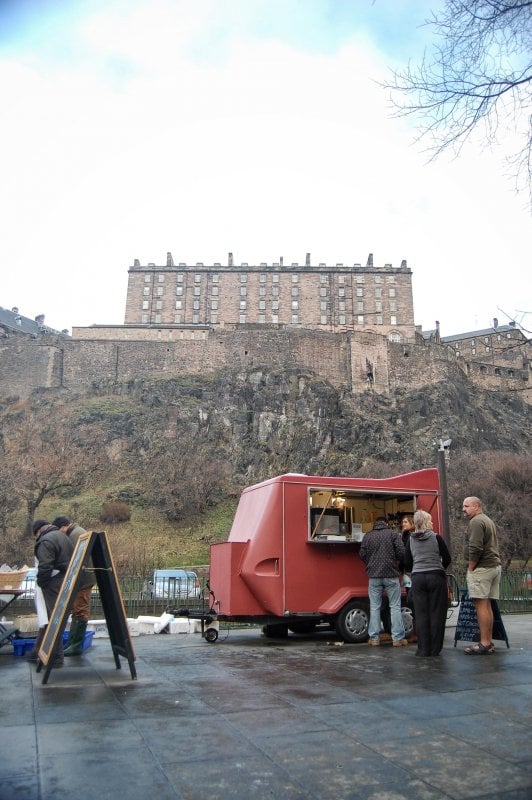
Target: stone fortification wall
{"points": [[26, 365], [349, 361]]}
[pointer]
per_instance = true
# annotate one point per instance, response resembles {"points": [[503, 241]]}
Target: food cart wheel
{"points": [[211, 635]]}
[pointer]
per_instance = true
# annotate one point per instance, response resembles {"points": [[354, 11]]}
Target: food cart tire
{"points": [[352, 622], [211, 635]]}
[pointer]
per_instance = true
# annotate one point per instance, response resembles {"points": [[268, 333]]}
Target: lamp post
{"points": [[443, 459]]}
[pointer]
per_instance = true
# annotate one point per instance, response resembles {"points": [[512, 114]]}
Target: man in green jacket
{"points": [[481, 552]]}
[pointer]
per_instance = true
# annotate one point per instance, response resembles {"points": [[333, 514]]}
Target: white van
{"points": [[173, 584]]}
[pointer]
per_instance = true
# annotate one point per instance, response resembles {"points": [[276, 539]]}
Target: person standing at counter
{"points": [[427, 558]]}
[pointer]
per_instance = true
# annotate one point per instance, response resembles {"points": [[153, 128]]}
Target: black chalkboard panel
{"points": [[467, 626], [90, 546]]}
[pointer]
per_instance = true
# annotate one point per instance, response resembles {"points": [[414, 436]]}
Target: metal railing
{"points": [[515, 596]]}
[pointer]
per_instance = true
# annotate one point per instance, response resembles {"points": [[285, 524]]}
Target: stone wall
{"points": [[350, 361]]}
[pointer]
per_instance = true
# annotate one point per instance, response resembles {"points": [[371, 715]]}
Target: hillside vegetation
{"points": [[178, 452]]}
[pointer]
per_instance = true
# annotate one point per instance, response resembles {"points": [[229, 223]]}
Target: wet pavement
{"points": [[250, 717]]}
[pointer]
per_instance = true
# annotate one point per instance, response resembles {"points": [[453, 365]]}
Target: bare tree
{"points": [[48, 453], [479, 72]]}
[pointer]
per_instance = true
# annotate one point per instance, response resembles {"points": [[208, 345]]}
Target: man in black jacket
{"points": [[53, 551], [382, 552]]}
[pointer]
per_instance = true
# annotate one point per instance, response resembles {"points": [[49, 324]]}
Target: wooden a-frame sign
{"points": [[90, 547]]}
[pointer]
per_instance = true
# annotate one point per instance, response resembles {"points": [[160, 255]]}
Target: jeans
{"points": [[393, 590]]}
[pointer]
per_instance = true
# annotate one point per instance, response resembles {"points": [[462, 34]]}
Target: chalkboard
{"points": [[59, 616], [90, 546], [467, 625]]}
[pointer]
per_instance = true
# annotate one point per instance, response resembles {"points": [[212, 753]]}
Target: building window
{"points": [[360, 279], [323, 306], [197, 291], [473, 342], [262, 278], [195, 319], [341, 305], [275, 305], [394, 337], [243, 305], [457, 353], [391, 292], [341, 278], [242, 318], [378, 292], [473, 351], [195, 305], [295, 305], [324, 278], [508, 335], [144, 319], [341, 292], [214, 304], [295, 278], [393, 305], [295, 291], [214, 318], [378, 305], [497, 371], [262, 305], [214, 290], [179, 304], [243, 291], [391, 279], [262, 318], [147, 278], [323, 319], [360, 291], [197, 278], [161, 278], [275, 279], [275, 291], [262, 291], [243, 278], [393, 320], [486, 339], [146, 291], [360, 305], [510, 373], [379, 319], [157, 318], [360, 319], [145, 304], [159, 305], [180, 277], [160, 291], [378, 278], [295, 319], [342, 319], [177, 319], [275, 319], [323, 291], [498, 337], [215, 277], [487, 348]]}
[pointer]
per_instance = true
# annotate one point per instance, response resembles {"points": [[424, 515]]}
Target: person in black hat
{"points": [[81, 604], [53, 551]]}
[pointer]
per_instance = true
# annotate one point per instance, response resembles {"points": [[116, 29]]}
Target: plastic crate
{"points": [[23, 646]]}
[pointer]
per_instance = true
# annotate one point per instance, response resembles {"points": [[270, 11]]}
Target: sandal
{"points": [[479, 650]]}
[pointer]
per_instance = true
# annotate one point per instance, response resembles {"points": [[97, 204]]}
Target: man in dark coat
{"points": [[53, 551]]}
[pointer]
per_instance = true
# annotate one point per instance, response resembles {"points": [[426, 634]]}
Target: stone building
{"points": [[314, 297]]}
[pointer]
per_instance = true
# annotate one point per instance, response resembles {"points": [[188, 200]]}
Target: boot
{"points": [[33, 655], [74, 646]]}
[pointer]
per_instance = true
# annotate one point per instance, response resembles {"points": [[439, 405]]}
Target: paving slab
{"points": [[306, 718]]}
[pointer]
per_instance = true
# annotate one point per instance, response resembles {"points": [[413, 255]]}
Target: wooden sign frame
{"points": [[467, 628], [91, 546]]}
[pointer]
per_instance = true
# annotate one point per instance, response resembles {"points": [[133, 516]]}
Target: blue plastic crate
{"points": [[23, 646]]}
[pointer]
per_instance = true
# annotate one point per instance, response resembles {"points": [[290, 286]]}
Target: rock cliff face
{"points": [[265, 422]]}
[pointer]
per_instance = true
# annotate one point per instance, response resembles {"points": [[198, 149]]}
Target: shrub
{"points": [[115, 512]]}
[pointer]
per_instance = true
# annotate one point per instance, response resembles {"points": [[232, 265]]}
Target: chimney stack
{"points": [[230, 260], [307, 260]]}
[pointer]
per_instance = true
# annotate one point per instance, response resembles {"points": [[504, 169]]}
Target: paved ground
{"points": [[249, 717]]}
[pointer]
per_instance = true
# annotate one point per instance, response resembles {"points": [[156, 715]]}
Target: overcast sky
{"points": [[131, 128]]}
